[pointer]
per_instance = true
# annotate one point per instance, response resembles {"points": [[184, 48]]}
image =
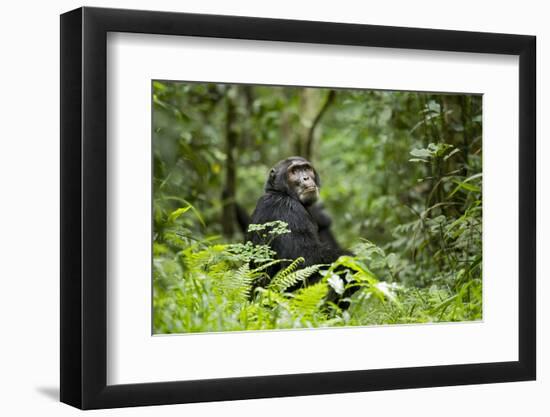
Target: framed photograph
{"points": [[256, 208]]}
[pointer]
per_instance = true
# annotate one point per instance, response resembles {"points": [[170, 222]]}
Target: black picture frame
{"points": [[84, 207]]}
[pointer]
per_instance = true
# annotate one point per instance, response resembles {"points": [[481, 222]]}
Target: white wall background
{"points": [[29, 219]]}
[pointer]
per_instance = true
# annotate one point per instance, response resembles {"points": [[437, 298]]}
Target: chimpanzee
{"points": [[291, 195]]}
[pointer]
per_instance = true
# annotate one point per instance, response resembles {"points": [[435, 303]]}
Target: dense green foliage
{"points": [[401, 177]]}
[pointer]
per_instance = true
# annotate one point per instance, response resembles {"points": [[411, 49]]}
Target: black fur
{"points": [[310, 235], [323, 220]]}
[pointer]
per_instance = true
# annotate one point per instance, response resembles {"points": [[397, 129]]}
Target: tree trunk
{"points": [[229, 189], [311, 133]]}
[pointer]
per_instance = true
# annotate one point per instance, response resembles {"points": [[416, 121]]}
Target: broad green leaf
{"points": [[177, 213]]}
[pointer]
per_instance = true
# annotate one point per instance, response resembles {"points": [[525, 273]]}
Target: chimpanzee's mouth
{"points": [[310, 189]]}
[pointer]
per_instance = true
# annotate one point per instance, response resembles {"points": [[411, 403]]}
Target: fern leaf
{"points": [[266, 265], [290, 276], [239, 282], [307, 301], [283, 273]]}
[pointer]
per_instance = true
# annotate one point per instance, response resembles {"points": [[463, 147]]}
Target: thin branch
{"points": [[310, 136]]}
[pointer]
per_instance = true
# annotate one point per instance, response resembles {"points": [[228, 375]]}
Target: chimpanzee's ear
{"points": [[270, 184], [272, 175]]}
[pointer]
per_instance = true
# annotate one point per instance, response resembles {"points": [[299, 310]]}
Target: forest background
{"points": [[401, 177]]}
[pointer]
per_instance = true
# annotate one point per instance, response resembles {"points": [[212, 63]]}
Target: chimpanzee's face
{"points": [[301, 180]]}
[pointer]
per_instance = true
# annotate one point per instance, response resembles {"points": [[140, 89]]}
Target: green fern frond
{"points": [[239, 282], [277, 281], [307, 301], [267, 265], [290, 276]]}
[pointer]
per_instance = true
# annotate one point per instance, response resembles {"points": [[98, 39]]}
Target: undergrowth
{"points": [[203, 286]]}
